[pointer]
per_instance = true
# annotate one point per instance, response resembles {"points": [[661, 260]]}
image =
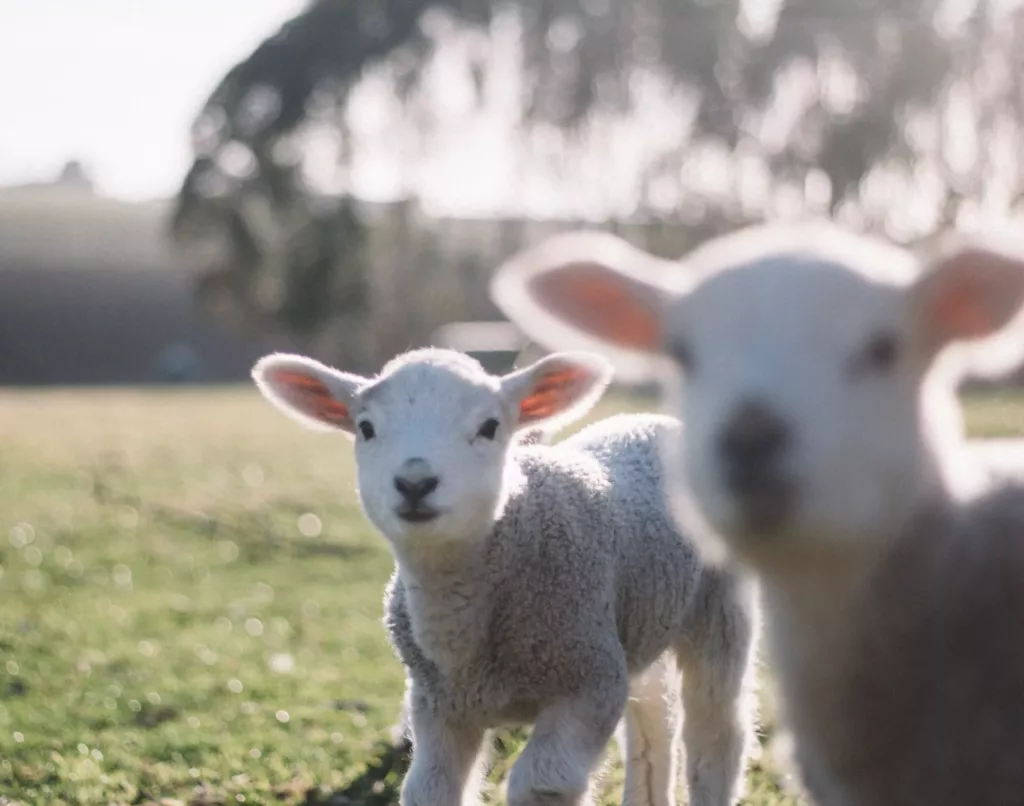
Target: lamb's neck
{"points": [[814, 602], [446, 591], [806, 600], [806, 611], [811, 587]]}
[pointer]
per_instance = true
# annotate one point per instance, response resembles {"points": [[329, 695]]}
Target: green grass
{"points": [[191, 606]]}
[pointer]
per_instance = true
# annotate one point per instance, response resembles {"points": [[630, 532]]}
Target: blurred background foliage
{"points": [[704, 112]]}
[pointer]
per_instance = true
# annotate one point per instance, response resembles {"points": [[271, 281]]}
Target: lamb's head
{"points": [[433, 431], [804, 360]]}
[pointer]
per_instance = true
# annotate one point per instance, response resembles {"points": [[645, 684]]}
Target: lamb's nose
{"points": [[754, 438], [752, 447], [415, 481]]}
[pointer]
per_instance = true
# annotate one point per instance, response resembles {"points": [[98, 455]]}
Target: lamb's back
{"points": [[660, 579], [628, 447]]}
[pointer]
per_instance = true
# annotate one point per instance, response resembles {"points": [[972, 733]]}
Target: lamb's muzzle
{"points": [[753, 447]]}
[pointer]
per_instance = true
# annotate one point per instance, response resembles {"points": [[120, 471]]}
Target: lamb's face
{"points": [[799, 385], [433, 431], [431, 447], [801, 360]]}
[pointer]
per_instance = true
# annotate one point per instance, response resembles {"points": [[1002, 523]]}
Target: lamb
{"points": [[825, 452], [534, 583]]}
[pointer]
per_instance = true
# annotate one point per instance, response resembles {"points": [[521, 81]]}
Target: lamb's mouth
{"points": [[766, 504], [417, 514]]}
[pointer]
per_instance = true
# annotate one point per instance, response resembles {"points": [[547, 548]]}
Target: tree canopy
{"points": [[898, 114]]}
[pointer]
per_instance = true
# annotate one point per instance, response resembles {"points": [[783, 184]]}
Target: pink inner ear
{"points": [[599, 302], [974, 293], [554, 393], [310, 395], [958, 309]]}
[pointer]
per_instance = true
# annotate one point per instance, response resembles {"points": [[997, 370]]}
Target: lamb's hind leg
{"points": [[719, 703], [650, 748]]}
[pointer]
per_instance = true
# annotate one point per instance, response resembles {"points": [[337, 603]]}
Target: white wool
{"points": [[550, 587]]}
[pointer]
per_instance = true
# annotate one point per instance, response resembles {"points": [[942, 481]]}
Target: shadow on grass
{"points": [[379, 784]]}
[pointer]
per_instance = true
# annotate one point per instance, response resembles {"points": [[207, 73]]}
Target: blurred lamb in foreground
{"points": [[824, 450]]}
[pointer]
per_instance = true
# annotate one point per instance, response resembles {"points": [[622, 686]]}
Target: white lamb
{"points": [[536, 584], [824, 450]]}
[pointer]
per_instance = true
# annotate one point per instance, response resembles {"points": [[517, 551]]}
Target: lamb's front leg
{"points": [[445, 768], [567, 742]]}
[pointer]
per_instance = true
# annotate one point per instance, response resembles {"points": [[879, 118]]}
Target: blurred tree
{"points": [[899, 114]]}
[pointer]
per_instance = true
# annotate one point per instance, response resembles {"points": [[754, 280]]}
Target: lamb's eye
{"points": [[489, 429], [366, 429], [681, 353], [880, 353]]}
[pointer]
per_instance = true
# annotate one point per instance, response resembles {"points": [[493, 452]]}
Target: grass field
{"points": [[190, 606]]}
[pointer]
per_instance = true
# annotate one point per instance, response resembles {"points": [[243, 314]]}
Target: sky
{"points": [[117, 83]]}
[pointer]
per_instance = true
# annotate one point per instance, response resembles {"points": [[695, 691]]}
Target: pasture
{"points": [[190, 605]]}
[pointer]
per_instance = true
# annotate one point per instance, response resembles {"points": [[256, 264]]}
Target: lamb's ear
{"points": [[588, 290], [968, 293], [316, 395], [971, 298], [557, 389]]}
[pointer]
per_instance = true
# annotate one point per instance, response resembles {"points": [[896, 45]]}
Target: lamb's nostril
{"points": [[425, 487], [754, 436], [415, 490]]}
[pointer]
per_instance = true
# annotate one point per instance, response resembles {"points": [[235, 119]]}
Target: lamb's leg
{"points": [[445, 768], [650, 749], [565, 747], [719, 707]]}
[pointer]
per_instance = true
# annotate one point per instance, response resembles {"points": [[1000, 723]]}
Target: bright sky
{"points": [[116, 83]]}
